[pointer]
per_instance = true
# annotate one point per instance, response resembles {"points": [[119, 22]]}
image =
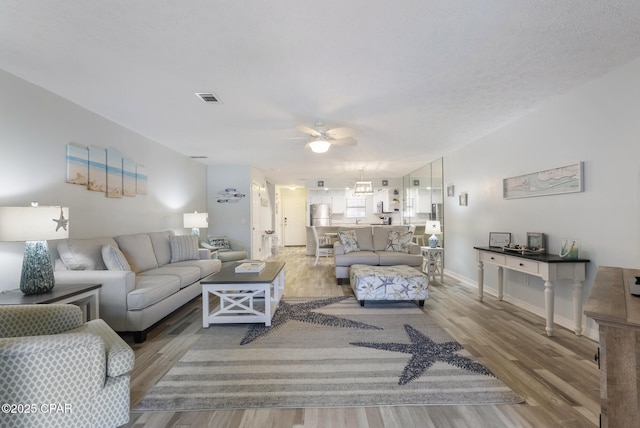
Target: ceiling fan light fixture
{"points": [[319, 146]]}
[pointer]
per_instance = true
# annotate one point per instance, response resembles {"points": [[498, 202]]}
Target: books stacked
{"points": [[250, 267]]}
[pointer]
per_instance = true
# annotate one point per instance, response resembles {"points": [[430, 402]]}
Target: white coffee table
{"points": [[244, 297]]}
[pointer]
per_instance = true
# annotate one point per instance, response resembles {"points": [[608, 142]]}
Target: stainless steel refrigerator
{"points": [[320, 214]]}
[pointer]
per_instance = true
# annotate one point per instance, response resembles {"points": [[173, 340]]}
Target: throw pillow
{"points": [[183, 247], [114, 259], [349, 240], [399, 241], [220, 242]]}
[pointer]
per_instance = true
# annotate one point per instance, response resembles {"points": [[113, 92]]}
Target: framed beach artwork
{"points": [[128, 177], [77, 164], [97, 169], [114, 173], [141, 180]]}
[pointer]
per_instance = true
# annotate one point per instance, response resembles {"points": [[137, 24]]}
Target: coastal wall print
{"points": [[105, 170], [114, 174], [77, 164], [565, 179]]}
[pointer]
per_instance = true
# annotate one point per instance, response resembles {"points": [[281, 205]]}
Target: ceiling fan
{"points": [[323, 138]]}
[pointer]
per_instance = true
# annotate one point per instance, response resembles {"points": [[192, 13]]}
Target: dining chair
{"points": [[322, 248]]}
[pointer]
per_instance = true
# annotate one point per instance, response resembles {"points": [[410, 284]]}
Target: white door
{"points": [[294, 221], [256, 227]]}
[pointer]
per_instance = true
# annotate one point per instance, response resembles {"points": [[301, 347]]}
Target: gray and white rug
{"points": [[327, 353]]}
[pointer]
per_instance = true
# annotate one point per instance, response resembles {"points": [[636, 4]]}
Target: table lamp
{"points": [[433, 227], [195, 221], [35, 225]]}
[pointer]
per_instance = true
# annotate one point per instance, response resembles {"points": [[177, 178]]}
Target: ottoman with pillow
{"points": [[144, 276], [375, 246]]}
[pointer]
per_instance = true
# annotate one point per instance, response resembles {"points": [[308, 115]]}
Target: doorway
{"points": [[294, 221]]}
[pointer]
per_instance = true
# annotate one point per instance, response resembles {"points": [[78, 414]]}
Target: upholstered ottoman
{"points": [[400, 282]]}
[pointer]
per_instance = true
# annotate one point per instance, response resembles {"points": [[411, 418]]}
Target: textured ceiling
{"points": [[417, 78]]}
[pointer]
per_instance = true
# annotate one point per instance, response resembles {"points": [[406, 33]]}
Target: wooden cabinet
{"points": [[617, 313]]}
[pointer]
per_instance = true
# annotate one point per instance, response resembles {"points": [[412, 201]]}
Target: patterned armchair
{"points": [[60, 372]]}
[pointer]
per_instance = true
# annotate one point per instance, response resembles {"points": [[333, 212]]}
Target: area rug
{"points": [[327, 353]]}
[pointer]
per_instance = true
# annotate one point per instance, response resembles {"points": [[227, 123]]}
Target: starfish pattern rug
{"points": [[327, 353]]}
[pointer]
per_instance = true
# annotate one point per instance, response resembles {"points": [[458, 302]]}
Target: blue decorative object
{"points": [[433, 241], [37, 270]]}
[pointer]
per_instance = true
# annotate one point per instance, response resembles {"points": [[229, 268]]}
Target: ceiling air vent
{"points": [[208, 97]]}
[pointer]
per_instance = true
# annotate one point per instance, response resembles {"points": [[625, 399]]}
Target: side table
{"points": [[86, 296], [432, 264]]}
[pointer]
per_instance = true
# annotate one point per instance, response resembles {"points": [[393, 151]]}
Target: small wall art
{"points": [[462, 199], [450, 191], [97, 169], [229, 195], [114, 174], [77, 164]]}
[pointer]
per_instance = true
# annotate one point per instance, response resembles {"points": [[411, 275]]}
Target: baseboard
{"points": [[557, 319]]}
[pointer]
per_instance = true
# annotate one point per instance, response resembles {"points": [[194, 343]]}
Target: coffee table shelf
{"points": [[244, 297]]}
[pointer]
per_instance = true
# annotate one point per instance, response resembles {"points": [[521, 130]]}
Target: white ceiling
{"points": [[417, 78]]}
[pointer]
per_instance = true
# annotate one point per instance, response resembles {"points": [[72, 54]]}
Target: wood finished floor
{"points": [[556, 375]]}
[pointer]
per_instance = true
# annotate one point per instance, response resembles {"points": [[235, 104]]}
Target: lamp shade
{"points": [[33, 223], [196, 219]]}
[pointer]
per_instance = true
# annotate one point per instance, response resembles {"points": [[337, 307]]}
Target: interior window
{"points": [[356, 208]]}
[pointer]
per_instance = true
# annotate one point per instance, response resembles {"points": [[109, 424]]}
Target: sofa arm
{"points": [[338, 248], [37, 320], [116, 286], [414, 248]]}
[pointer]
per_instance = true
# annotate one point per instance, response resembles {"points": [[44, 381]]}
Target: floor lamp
{"points": [[35, 225]]}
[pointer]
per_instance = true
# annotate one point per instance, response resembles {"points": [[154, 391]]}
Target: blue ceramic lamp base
{"points": [[37, 270]]}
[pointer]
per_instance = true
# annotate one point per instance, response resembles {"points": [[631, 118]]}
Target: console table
{"points": [[549, 267], [617, 313]]}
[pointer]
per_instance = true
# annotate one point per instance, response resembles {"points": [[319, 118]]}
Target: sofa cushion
{"points": [[399, 241], [207, 267], [187, 275], [138, 251], [391, 258], [357, 257], [161, 246], [83, 254], [150, 290], [184, 247], [114, 259], [349, 240]]}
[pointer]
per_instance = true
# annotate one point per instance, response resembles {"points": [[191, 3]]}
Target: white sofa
{"points": [[373, 250], [144, 276]]}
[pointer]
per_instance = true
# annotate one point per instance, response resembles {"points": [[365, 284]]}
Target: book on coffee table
{"points": [[250, 267]]}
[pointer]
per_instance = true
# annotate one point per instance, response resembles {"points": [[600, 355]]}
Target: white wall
{"points": [[597, 124], [35, 127]]}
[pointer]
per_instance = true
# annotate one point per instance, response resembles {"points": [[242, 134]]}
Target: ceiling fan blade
{"points": [[339, 133], [344, 142], [308, 130]]}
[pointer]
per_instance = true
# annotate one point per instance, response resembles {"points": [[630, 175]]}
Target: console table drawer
{"points": [[492, 258], [523, 265]]}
